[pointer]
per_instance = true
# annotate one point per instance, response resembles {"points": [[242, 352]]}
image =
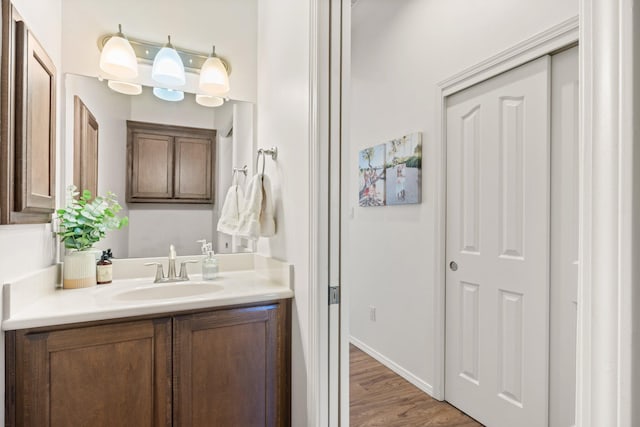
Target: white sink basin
{"points": [[167, 291]]}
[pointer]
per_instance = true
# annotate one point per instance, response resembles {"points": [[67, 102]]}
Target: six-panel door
{"points": [[497, 297]]}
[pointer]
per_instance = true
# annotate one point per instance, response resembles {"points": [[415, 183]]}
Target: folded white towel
{"points": [[267, 221], [231, 209], [256, 218], [249, 223]]}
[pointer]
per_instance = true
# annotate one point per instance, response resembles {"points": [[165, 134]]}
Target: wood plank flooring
{"points": [[380, 397]]}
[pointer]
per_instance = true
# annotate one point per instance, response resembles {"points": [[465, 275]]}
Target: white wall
{"points": [[224, 161], [400, 51], [244, 141], [635, 379], [283, 121], [154, 226], [24, 248]]}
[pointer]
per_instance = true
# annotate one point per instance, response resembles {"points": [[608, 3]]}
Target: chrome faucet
{"points": [[171, 276]]}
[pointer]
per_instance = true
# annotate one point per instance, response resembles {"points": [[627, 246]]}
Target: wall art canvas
{"points": [[403, 170], [371, 162]]}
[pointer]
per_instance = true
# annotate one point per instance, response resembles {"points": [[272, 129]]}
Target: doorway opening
{"points": [[388, 245]]}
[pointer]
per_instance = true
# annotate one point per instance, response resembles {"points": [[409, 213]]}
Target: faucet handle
{"points": [[159, 271], [183, 268]]}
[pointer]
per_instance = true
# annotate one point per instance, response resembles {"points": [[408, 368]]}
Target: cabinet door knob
{"points": [[453, 266]]}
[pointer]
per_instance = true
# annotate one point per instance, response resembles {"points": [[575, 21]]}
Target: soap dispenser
{"points": [[210, 266], [210, 263]]}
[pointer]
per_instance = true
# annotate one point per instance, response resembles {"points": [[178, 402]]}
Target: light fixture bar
{"points": [[147, 52]]}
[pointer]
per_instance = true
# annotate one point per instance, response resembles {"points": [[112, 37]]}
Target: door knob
{"points": [[453, 266]]}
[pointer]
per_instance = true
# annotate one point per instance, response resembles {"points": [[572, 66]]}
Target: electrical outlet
{"points": [[372, 313]]}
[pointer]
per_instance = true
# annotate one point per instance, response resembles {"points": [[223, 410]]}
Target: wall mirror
{"points": [[193, 25]]}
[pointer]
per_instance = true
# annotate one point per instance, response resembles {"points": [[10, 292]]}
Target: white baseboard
{"points": [[422, 385]]}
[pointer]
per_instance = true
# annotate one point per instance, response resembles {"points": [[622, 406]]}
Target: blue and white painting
{"points": [[371, 189], [403, 170]]}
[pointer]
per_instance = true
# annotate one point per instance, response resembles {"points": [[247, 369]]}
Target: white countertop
{"points": [[31, 302]]}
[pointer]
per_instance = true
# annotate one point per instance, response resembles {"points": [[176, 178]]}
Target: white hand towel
{"points": [[249, 223], [231, 209], [267, 221]]}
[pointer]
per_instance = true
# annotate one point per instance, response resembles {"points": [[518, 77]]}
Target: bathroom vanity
{"points": [[137, 353]]}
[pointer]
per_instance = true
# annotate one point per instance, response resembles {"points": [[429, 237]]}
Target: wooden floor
{"points": [[380, 397]]}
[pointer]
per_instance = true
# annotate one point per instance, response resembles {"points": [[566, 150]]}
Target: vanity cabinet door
{"points": [[109, 375], [193, 169], [151, 166], [231, 368]]}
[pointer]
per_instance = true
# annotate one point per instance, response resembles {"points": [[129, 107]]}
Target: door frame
{"points": [[608, 377], [547, 42]]}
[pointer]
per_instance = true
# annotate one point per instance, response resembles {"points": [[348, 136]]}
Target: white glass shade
{"points": [[214, 79], [125, 87], [168, 94], [168, 68], [119, 59], [209, 101]]}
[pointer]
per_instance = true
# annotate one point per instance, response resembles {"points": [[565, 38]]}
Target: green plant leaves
{"points": [[85, 221]]}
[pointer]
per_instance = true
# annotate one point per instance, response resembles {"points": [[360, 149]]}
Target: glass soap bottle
{"points": [[104, 268], [210, 267]]}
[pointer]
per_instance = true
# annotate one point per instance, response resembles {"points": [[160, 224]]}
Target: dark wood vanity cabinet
{"points": [[169, 164], [226, 367], [230, 368], [106, 375]]}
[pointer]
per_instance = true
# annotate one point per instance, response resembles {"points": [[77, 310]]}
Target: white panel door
{"points": [[564, 237], [497, 291]]}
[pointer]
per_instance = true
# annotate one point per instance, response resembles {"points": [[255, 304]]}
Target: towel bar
{"points": [[243, 170], [273, 152]]}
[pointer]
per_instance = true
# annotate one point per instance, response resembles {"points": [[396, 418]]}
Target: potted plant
{"points": [[83, 223]]}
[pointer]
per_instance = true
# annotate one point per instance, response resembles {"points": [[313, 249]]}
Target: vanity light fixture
{"points": [[168, 68], [214, 79], [125, 87], [118, 58], [209, 100], [168, 94]]}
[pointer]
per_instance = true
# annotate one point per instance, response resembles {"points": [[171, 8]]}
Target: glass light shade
{"points": [[214, 79], [168, 68], [168, 94], [209, 101], [125, 87], [119, 59]]}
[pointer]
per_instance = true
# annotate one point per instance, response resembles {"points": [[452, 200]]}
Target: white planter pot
{"points": [[97, 253], [79, 270]]}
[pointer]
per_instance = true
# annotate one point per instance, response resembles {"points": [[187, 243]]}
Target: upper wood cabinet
{"points": [[85, 148], [28, 125], [169, 164]]}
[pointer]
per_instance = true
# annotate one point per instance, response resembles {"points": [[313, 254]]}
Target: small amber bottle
{"points": [[104, 268]]}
